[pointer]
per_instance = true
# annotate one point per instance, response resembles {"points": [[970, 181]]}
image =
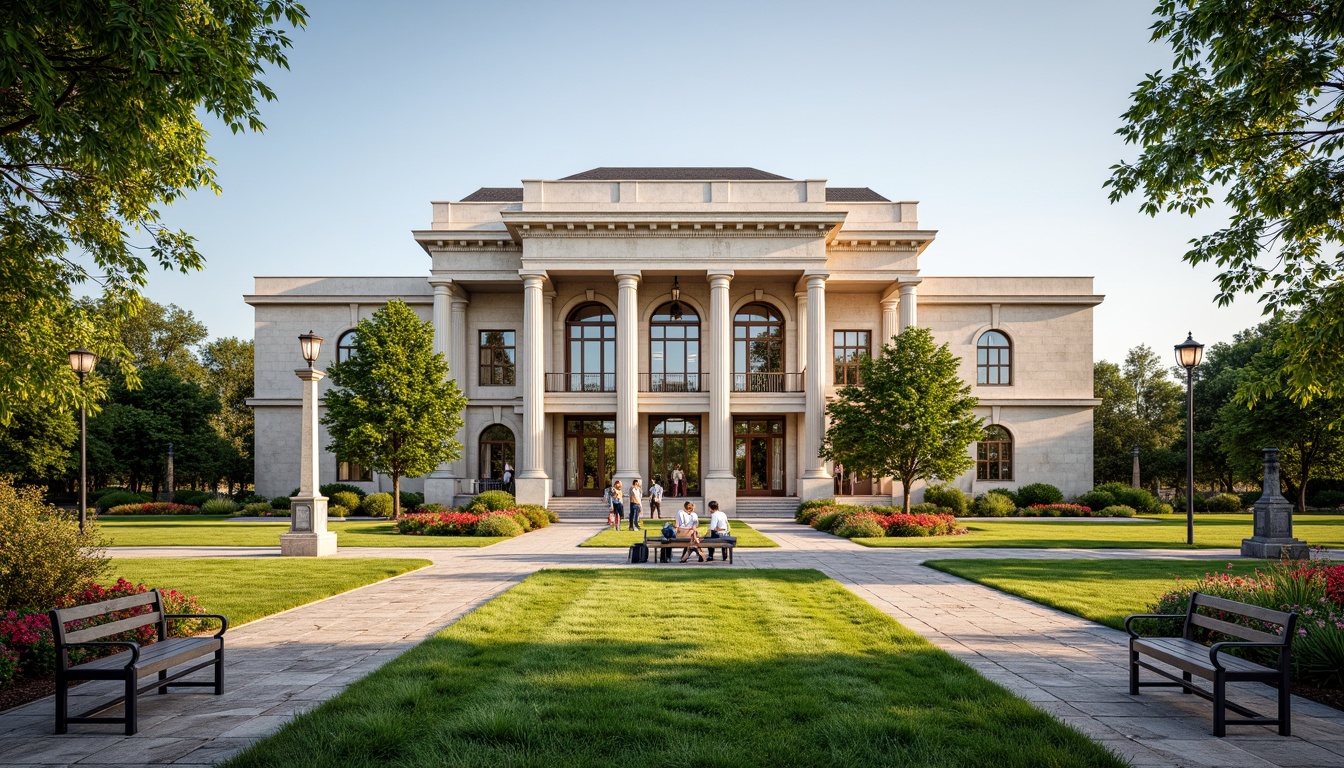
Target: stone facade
{"points": [[769, 272]]}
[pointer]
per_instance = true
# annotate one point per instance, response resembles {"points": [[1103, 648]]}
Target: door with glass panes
{"points": [[590, 455], [758, 456]]}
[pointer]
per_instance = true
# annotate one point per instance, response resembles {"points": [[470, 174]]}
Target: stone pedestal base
{"points": [[532, 490], [812, 488], [1275, 549], [720, 489], [440, 489], [307, 544]]}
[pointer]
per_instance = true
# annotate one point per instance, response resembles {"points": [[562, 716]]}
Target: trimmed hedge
{"points": [[1038, 493], [377, 505], [993, 505], [218, 506], [494, 501], [1224, 502], [343, 499], [949, 497], [1129, 496], [499, 524], [119, 498], [154, 508]]}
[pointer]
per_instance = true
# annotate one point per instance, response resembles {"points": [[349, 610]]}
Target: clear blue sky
{"points": [[998, 117]]}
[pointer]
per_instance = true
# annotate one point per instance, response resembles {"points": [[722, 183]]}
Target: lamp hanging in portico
{"points": [[675, 309]]}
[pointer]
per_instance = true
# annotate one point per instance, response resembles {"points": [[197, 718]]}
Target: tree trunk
{"points": [[905, 499], [396, 497]]}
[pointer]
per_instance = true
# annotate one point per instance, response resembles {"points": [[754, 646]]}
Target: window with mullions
{"points": [[351, 472], [849, 348], [345, 346], [498, 359], [994, 455], [674, 349], [758, 349], [993, 359], [590, 333]]}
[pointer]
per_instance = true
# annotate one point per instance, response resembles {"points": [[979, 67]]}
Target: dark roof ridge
{"points": [[675, 173]]}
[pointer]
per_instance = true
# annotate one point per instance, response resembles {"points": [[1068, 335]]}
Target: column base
{"points": [[440, 489], [532, 490], [813, 488], [307, 544], [720, 489], [1275, 549]]}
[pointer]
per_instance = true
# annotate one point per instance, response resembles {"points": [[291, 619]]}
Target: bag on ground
{"points": [[639, 552]]}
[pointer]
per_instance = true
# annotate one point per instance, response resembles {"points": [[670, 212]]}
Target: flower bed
{"points": [[509, 522], [852, 521], [154, 508]]}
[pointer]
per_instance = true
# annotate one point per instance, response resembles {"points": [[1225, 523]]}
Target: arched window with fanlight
{"points": [[674, 349], [993, 359], [994, 455], [590, 336], [345, 346], [497, 449], [758, 349]]}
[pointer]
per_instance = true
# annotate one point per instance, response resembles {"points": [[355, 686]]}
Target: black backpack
{"points": [[639, 552]]}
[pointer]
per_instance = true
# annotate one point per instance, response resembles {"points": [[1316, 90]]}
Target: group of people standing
{"points": [[616, 496]]}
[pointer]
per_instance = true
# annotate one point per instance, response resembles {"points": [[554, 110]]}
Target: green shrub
{"points": [[498, 525], [333, 488], [377, 505], [1224, 502], [860, 526], [1038, 493], [1201, 504], [1248, 498], [43, 555], [807, 511], [1115, 510], [218, 506], [337, 511], [252, 498], [927, 508], [411, 501], [536, 514], [343, 498], [947, 496], [993, 505], [1006, 493], [1165, 509], [434, 508], [1128, 495], [153, 508], [280, 502], [553, 515], [1325, 499], [828, 519], [97, 494], [192, 498], [494, 501], [118, 498], [1095, 500], [258, 508]]}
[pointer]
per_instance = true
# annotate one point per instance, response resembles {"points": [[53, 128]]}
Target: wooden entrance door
{"points": [[758, 456], [590, 455]]}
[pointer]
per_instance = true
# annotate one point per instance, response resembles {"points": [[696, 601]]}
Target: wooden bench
{"points": [[658, 543], [1212, 662], [136, 661]]}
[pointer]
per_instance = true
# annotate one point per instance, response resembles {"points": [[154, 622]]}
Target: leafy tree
{"points": [[36, 445], [160, 334], [393, 407], [1253, 111], [229, 370], [1140, 405], [910, 418], [1216, 381], [99, 129]]}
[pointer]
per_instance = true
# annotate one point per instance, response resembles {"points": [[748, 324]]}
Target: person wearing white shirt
{"points": [[688, 527], [718, 526], [655, 499], [636, 497]]}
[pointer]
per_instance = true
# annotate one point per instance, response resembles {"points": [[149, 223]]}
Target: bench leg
{"points": [[1219, 705], [219, 672], [163, 675], [132, 722], [1133, 672], [1285, 707], [62, 706], [1187, 678]]}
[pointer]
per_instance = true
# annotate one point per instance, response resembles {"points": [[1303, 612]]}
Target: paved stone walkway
{"points": [[1070, 667]]}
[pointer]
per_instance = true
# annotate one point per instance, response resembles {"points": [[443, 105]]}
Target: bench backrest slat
{"points": [[113, 627], [1235, 630], [1243, 609], [107, 606]]}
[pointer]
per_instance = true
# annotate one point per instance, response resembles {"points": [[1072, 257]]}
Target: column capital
{"points": [[719, 278], [628, 278], [309, 374], [442, 287], [532, 277], [459, 300], [889, 302], [816, 280], [908, 289]]}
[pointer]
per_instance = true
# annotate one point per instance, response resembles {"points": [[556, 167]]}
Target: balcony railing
{"points": [[580, 382], [473, 487], [670, 382], [767, 382]]}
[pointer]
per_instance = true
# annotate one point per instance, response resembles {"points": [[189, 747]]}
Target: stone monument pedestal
{"points": [[308, 535], [1273, 537]]}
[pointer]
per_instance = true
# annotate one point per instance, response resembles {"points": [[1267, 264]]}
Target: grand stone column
{"points": [[308, 535], [717, 439], [627, 377], [800, 332], [816, 481], [909, 306], [441, 484], [532, 483], [457, 369], [889, 320]]}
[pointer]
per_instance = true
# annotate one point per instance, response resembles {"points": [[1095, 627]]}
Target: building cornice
{"points": [[1044, 298], [342, 299], [1026, 402]]}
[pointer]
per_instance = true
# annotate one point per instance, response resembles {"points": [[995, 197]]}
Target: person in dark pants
{"points": [[718, 527], [636, 503]]}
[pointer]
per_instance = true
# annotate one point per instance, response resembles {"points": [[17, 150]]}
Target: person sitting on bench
{"points": [[688, 527], [718, 527]]}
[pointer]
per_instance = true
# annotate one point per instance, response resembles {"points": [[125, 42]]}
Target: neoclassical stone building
{"points": [[627, 322]]}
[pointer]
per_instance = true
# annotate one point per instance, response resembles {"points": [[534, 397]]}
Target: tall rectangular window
{"points": [[350, 472], [849, 348], [499, 357]]}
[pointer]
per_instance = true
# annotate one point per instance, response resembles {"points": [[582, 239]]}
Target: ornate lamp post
{"points": [[1188, 355], [308, 535], [81, 362]]}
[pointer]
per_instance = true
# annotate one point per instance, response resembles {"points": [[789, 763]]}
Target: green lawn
{"points": [[602, 667], [746, 535], [245, 589], [213, 531], [1211, 532], [1104, 591]]}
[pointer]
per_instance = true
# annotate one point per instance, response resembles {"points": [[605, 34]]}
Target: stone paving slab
{"points": [[1067, 666]]}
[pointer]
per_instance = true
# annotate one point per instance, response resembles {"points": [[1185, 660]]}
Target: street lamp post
{"points": [[1188, 355], [81, 362], [308, 535]]}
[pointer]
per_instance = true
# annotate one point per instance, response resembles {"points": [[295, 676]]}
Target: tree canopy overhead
{"points": [[99, 130], [1252, 112]]}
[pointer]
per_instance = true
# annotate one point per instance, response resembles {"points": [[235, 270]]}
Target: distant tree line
{"points": [[1143, 404], [182, 390]]}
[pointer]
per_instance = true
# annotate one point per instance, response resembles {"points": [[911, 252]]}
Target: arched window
{"points": [[590, 333], [994, 455], [345, 346], [496, 451], [758, 349], [993, 359], [674, 349]]}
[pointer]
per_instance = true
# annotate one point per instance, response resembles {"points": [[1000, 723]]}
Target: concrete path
{"points": [[1067, 666]]}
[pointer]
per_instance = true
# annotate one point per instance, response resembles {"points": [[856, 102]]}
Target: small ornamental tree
{"points": [[910, 417], [393, 407]]}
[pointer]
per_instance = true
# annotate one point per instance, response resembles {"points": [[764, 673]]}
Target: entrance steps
{"points": [[766, 506], [593, 508]]}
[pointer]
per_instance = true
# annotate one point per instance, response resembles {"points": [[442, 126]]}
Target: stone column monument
{"points": [[1273, 520], [308, 535]]}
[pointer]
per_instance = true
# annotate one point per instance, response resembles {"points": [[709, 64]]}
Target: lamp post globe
{"points": [[310, 344], [1189, 353], [81, 362]]}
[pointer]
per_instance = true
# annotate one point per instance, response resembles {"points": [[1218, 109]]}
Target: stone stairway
{"points": [[766, 506], [593, 508]]}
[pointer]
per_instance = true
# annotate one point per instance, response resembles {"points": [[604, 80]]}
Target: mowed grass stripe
{"points": [[590, 668]]}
